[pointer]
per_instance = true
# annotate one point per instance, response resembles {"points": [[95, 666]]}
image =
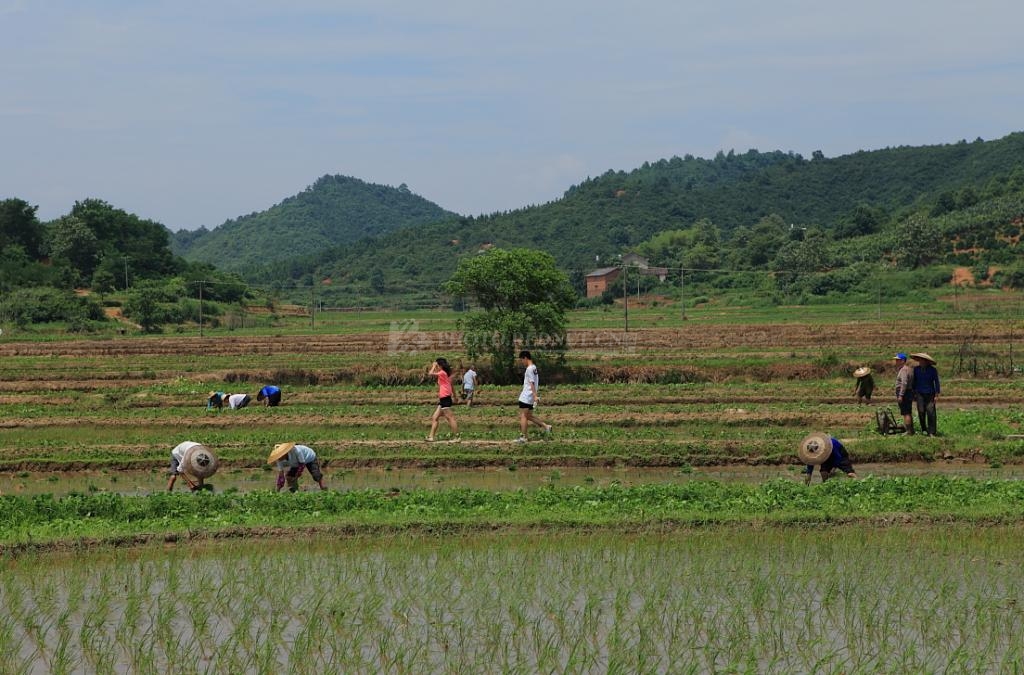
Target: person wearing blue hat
{"points": [[905, 392]]}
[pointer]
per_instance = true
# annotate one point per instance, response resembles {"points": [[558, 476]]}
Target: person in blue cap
{"points": [[905, 391], [270, 395]]}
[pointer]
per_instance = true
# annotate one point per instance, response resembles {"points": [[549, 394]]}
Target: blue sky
{"points": [[190, 113]]}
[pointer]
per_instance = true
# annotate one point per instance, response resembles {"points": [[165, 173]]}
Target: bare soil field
{"points": [[703, 394]]}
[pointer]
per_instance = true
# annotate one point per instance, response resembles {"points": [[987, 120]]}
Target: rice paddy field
{"points": [[662, 527], [737, 599]]}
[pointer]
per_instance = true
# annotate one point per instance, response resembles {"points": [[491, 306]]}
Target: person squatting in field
{"points": [[442, 371], [905, 392], [270, 395], [838, 458], [217, 399], [528, 399], [177, 460], [291, 460]]}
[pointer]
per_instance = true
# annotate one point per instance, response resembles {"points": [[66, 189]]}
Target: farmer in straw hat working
{"points": [[926, 391], [865, 385], [291, 460], [825, 452], [194, 462]]}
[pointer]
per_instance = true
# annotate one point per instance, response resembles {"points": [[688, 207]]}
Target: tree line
{"points": [[101, 249]]}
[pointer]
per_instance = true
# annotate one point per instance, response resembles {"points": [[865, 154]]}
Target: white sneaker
{"points": [[521, 439], [547, 429]]}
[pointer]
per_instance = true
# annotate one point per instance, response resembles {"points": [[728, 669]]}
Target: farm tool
{"points": [[887, 424]]}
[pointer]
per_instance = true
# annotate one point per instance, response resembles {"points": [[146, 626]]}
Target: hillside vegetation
{"points": [[743, 211], [334, 211], [762, 228]]}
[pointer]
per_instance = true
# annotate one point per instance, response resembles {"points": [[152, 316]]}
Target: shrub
{"points": [[45, 304]]}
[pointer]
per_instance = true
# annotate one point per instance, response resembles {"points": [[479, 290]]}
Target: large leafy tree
{"points": [[20, 227], [122, 235], [917, 242], [73, 243], [524, 298]]}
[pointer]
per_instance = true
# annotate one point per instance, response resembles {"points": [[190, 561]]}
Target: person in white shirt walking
{"points": [[469, 385], [528, 399]]}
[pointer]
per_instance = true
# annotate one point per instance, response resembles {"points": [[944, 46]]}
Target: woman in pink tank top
{"points": [[442, 371]]}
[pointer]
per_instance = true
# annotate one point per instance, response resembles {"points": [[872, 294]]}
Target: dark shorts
{"points": [[313, 468], [843, 465], [246, 400], [906, 405], [274, 399], [175, 466], [467, 393], [525, 406], [445, 402]]}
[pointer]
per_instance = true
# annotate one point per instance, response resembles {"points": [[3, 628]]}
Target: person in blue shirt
{"points": [[291, 459], [926, 391], [839, 458], [270, 395], [215, 399]]}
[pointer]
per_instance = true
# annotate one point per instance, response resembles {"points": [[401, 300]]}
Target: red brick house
{"points": [[600, 280]]}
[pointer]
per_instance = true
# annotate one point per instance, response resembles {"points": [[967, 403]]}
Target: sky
{"points": [[191, 113]]}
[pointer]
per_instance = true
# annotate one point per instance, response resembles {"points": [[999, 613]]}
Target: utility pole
{"points": [[312, 307], [200, 308], [125, 272], [682, 297], [625, 294]]}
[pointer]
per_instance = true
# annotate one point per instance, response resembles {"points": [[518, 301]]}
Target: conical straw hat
{"points": [[862, 371], [199, 461], [279, 451], [922, 356], [815, 449]]}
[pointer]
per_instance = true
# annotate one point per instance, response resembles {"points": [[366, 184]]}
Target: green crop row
{"points": [[25, 520]]}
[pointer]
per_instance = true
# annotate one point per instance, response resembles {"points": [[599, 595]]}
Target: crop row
{"points": [[27, 520]]}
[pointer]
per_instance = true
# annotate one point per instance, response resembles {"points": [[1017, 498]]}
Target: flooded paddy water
{"points": [[828, 599], [480, 478]]}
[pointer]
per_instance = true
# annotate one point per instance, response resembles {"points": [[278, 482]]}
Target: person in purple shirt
{"points": [[926, 391]]}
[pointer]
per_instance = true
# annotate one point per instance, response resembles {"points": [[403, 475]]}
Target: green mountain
{"points": [[754, 202], [333, 212]]}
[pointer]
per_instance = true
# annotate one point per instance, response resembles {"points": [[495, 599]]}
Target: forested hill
{"points": [[846, 196], [334, 211]]}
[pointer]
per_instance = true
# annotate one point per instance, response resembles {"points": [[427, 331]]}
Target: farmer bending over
{"points": [[177, 467], [270, 395], [827, 453], [291, 460]]}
